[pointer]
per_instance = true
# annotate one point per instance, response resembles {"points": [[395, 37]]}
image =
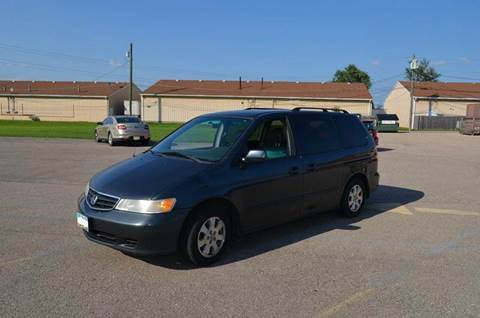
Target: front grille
{"points": [[112, 239], [100, 201]]}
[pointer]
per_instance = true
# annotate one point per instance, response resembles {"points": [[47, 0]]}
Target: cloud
{"points": [[439, 62], [376, 62], [465, 60]]}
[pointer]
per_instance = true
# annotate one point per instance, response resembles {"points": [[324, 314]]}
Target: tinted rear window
{"points": [[315, 133], [387, 117], [352, 131], [127, 120]]}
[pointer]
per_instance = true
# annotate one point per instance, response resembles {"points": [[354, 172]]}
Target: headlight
{"points": [[87, 187], [146, 206]]}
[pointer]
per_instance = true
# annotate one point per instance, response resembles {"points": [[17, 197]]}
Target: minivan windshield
{"points": [[204, 138]]}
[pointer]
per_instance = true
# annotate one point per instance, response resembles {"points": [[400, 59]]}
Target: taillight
{"points": [[375, 136], [121, 127]]}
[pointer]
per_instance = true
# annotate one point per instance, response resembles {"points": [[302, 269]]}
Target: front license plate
{"points": [[82, 221], [136, 138]]}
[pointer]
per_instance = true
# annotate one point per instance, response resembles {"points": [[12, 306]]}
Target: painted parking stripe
{"points": [[15, 261], [390, 207], [447, 211], [347, 302]]}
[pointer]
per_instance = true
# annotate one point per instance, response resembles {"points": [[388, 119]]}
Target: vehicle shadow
{"points": [[135, 144], [383, 149], [384, 199]]}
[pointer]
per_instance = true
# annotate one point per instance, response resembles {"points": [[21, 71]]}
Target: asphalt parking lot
{"points": [[415, 252]]}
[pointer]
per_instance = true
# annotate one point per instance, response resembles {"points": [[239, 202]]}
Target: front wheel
{"points": [[96, 136], [206, 236], [353, 198]]}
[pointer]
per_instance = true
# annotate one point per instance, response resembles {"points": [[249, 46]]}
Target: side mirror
{"points": [[254, 156], [100, 123]]}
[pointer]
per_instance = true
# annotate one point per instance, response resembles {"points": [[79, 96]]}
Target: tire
{"points": [[96, 136], [111, 142], [206, 236], [145, 142], [353, 198]]}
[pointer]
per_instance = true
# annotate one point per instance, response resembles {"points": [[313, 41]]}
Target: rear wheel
{"points": [[111, 142], [353, 198], [206, 236], [145, 142]]}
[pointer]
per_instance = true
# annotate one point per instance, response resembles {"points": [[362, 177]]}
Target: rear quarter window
{"points": [[352, 132], [315, 133]]}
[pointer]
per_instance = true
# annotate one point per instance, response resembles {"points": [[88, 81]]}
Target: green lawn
{"points": [[80, 130]]}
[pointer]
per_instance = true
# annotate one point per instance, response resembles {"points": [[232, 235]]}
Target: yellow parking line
{"points": [[447, 211], [18, 260], [390, 207], [347, 302]]}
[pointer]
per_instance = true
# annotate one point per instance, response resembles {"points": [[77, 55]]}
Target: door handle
{"points": [[294, 170]]}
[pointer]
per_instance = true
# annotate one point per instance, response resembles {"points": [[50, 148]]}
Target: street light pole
{"points": [[413, 67], [130, 60]]}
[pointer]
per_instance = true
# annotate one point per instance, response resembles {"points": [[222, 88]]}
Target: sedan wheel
{"points": [[96, 137], [110, 140]]}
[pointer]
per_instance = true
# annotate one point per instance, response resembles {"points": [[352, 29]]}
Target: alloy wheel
{"points": [[211, 237], [355, 198]]}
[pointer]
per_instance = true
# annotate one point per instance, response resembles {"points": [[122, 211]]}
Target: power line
{"points": [[111, 71], [53, 54], [41, 66], [52, 68], [461, 77], [387, 78]]}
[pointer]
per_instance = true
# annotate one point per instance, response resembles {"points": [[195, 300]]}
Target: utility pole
{"points": [[413, 68], [130, 60]]}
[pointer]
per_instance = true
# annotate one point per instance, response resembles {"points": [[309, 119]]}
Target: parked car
{"points": [[470, 126], [387, 123], [227, 174], [114, 129], [372, 129]]}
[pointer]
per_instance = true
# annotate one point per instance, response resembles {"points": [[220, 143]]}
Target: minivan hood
{"points": [[145, 176]]}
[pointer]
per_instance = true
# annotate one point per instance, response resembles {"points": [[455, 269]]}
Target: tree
{"points": [[423, 73], [352, 74]]}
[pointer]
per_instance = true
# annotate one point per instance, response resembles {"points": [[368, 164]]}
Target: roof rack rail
{"points": [[263, 108], [323, 109]]}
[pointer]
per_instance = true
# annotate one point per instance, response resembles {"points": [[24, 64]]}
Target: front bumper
{"points": [[135, 233]]}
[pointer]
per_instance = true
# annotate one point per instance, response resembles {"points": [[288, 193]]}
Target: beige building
{"points": [[63, 101], [431, 99], [181, 100]]}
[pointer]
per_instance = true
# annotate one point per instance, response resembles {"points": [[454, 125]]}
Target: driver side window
{"points": [[272, 137]]}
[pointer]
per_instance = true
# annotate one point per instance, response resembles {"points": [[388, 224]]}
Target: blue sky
{"points": [[277, 40]]}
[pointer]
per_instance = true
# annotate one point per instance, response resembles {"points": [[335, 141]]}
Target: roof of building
{"points": [[445, 89], [314, 90], [62, 88]]}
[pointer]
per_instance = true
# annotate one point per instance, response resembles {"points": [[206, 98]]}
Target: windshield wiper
{"points": [[178, 154]]}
